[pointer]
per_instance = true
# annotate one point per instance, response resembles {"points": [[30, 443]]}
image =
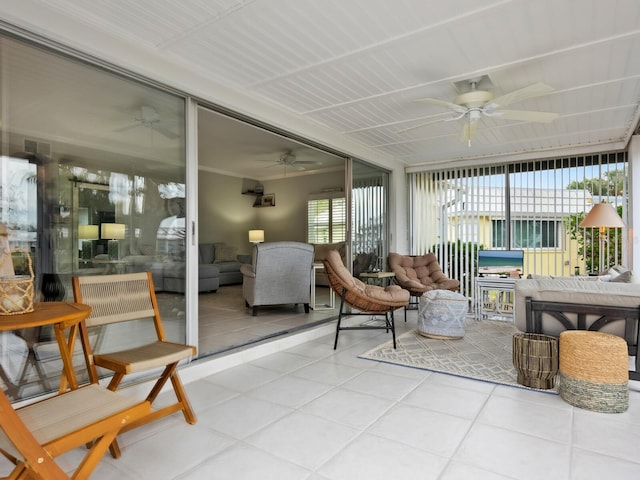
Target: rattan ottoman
{"points": [[535, 358], [442, 314], [594, 371]]}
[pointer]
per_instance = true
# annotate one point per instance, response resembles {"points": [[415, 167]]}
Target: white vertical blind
{"points": [[369, 217], [527, 206]]}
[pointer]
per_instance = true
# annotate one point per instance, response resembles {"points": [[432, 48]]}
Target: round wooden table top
{"points": [[47, 313]]}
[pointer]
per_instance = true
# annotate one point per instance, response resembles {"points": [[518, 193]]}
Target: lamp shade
{"points": [[88, 232], [602, 215], [112, 231], [256, 236]]}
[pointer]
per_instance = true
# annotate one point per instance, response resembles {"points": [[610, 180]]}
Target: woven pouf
{"points": [[442, 314], [594, 371], [535, 358]]}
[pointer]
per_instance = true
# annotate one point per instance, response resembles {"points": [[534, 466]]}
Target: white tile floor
{"points": [[309, 412]]}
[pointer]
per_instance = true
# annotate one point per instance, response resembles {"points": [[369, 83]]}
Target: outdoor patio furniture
{"points": [[367, 299]]}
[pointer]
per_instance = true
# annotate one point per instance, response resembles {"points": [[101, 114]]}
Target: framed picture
{"points": [[268, 200]]}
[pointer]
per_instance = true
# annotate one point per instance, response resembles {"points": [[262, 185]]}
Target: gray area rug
{"points": [[483, 354]]}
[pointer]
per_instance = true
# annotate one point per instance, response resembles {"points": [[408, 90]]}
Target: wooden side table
{"points": [[378, 278], [65, 318]]}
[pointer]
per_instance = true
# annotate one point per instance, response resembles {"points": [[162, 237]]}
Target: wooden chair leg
{"points": [[115, 381], [187, 411]]}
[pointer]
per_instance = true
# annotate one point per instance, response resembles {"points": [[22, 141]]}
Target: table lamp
{"points": [[256, 236], [602, 216], [87, 233], [112, 232]]}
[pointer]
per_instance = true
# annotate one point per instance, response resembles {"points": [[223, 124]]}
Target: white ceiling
{"points": [[356, 68]]}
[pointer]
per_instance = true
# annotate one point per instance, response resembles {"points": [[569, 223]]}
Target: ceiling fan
{"points": [[288, 160], [148, 117], [474, 104]]}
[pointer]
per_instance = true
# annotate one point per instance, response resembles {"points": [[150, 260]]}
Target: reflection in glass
{"points": [[83, 147]]}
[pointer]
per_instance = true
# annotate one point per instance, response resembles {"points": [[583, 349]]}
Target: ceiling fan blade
{"points": [[165, 131], [524, 115], [432, 122], [453, 106], [127, 127], [533, 90], [307, 162]]}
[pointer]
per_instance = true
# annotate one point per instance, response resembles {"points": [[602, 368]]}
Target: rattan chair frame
{"points": [[364, 304], [126, 297]]}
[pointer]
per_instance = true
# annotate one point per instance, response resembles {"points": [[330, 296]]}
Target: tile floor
{"points": [[225, 323], [309, 412]]}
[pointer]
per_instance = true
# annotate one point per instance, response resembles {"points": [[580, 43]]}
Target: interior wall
{"points": [[288, 219], [225, 214]]}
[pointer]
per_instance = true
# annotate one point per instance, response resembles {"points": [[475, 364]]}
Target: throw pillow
{"points": [[625, 277], [225, 253]]}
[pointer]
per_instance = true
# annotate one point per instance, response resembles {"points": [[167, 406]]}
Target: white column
{"points": [[634, 203]]}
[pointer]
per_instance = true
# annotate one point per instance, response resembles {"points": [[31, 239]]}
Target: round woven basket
{"points": [[535, 358], [594, 371]]}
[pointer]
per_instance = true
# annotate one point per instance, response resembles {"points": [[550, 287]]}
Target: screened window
{"points": [[526, 234], [535, 206], [326, 220]]}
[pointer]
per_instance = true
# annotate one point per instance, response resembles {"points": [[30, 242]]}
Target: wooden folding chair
{"points": [[32, 436], [123, 298]]}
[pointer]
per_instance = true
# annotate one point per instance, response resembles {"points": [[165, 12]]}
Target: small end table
{"points": [[378, 278]]}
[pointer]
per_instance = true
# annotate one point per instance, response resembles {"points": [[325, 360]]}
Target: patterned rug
{"points": [[483, 354]]}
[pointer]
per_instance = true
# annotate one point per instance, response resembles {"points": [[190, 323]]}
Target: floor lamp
{"points": [[602, 216]]}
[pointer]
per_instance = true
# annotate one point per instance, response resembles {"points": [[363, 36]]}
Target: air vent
{"points": [[30, 146], [37, 148]]}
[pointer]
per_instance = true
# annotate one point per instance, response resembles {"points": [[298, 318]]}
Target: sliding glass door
{"points": [[92, 178]]}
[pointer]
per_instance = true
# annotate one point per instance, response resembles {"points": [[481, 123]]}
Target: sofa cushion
{"points": [[228, 266], [226, 253], [205, 253], [621, 274], [208, 270]]}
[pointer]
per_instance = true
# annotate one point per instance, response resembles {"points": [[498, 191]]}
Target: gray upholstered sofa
{"points": [[218, 264], [280, 273], [578, 290]]}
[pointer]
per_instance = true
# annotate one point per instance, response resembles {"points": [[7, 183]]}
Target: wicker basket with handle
{"points": [[16, 293]]}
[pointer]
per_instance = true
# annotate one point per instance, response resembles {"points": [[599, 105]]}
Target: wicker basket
{"points": [[16, 293], [535, 358]]}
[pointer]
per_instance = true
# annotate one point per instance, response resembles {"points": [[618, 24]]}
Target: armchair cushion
{"points": [[420, 273]]}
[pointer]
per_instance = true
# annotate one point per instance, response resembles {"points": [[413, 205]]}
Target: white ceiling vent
{"points": [[37, 148]]}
